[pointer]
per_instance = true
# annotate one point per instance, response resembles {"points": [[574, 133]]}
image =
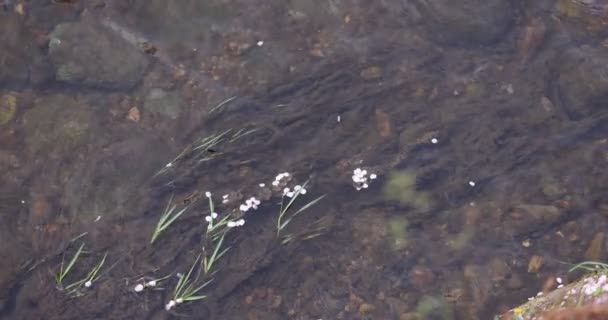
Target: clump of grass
{"points": [[203, 149], [214, 235], [91, 277], [283, 219], [65, 270], [186, 288], [166, 219], [591, 266], [209, 261], [208, 143]]}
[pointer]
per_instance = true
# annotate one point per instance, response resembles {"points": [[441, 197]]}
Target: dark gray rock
{"points": [[114, 182], [466, 21], [91, 55], [18, 53], [583, 80]]}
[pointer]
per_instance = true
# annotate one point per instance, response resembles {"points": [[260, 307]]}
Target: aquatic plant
{"points": [[204, 145], [209, 260], [65, 270], [283, 219], [166, 219], [214, 228], [590, 266], [204, 149], [91, 277], [222, 104], [218, 226], [215, 234], [186, 289]]}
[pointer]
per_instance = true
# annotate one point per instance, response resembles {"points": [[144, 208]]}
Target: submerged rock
{"points": [[19, 56], [590, 15], [163, 103], [583, 80], [467, 21], [57, 124], [577, 300], [113, 181], [90, 55]]}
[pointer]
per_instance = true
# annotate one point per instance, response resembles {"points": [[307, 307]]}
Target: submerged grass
{"points": [[222, 104], [91, 277], [590, 266], [204, 149], [283, 218], [65, 270], [186, 288], [166, 219], [218, 252]]}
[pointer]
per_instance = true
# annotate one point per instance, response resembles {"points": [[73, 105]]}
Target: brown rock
{"points": [[409, 316], [40, 210], [526, 218], [276, 301], [355, 299], [134, 114], [317, 52], [594, 251], [366, 308], [546, 104], [421, 276], [383, 123], [373, 72], [531, 39], [535, 263]]}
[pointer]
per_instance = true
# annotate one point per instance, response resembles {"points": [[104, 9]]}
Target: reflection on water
{"points": [[461, 148]]}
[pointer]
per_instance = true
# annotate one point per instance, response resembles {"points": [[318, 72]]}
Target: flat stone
{"points": [[91, 55]]}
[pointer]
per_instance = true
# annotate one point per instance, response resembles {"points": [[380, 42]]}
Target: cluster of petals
{"points": [[211, 217], [361, 180], [237, 223], [296, 190], [251, 203], [172, 303], [279, 177], [141, 286]]}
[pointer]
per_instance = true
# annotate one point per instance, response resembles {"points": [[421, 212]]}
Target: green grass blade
{"points": [[93, 274], [589, 266], [221, 104], [166, 219], [310, 204], [281, 226], [185, 279], [173, 218], [65, 272], [193, 298], [214, 256]]}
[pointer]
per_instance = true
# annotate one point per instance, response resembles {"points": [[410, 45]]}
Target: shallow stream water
{"points": [[457, 151]]}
